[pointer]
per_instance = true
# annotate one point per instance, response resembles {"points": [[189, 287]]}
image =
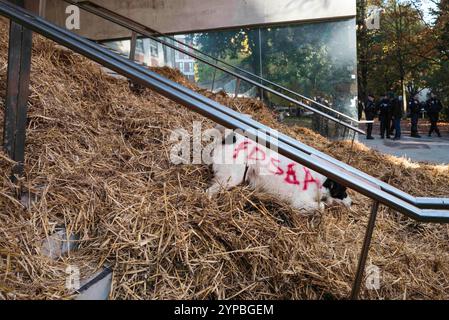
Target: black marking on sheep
{"points": [[336, 190]]}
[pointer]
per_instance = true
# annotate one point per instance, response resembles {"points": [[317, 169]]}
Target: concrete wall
{"points": [[183, 16]]}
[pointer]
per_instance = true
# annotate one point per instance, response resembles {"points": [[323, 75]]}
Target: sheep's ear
{"points": [[220, 128], [229, 139], [328, 184]]}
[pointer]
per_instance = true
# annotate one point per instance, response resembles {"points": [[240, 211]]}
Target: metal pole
{"points": [[42, 8], [237, 87], [213, 78], [260, 64], [136, 88], [17, 92], [132, 50], [365, 250]]}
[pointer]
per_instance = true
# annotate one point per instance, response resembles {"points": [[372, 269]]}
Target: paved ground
{"points": [[434, 149]]}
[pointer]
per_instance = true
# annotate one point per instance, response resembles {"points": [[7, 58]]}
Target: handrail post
{"points": [[213, 78], [134, 87], [132, 50], [17, 93], [365, 249], [237, 88]]}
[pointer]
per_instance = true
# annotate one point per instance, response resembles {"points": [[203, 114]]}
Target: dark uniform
{"points": [[433, 109], [397, 113], [384, 108], [360, 108], [370, 114], [415, 109]]}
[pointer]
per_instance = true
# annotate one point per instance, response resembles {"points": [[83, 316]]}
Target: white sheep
{"points": [[238, 159]]}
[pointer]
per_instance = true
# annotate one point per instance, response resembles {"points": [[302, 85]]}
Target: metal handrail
{"points": [[420, 202], [95, 9], [424, 203], [143, 30], [205, 107]]}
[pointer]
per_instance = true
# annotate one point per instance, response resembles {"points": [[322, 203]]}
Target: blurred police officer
{"points": [[370, 114], [384, 107], [360, 108], [397, 113], [434, 108], [415, 108]]}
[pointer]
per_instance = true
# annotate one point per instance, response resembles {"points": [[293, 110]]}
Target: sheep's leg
{"points": [[347, 202], [213, 189], [308, 206], [227, 177]]}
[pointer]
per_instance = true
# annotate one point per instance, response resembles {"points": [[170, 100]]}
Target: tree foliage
{"points": [[408, 53], [438, 77], [313, 59]]}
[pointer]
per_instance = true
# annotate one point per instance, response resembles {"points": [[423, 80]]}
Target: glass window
{"points": [[154, 50], [317, 60], [140, 46]]}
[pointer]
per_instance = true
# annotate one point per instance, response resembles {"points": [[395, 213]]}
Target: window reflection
{"points": [[317, 60]]}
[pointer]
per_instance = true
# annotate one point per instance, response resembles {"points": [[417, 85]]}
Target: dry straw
{"points": [[97, 158]]}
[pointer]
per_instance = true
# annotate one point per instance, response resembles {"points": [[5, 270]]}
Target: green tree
{"points": [[438, 78], [399, 55], [311, 59]]}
